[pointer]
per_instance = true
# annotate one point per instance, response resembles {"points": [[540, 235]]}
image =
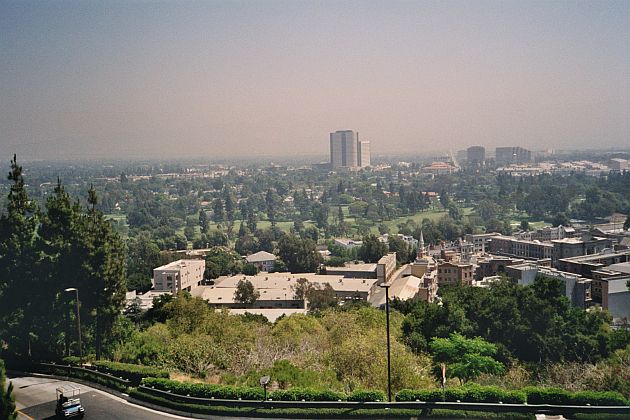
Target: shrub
{"points": [[299, 394], [453, 394], [71, 360], [134, 373], [364, 396], [429, 395], [490, 394], [554, 396], [598, 398]]}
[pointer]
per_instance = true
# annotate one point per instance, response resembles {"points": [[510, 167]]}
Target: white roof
{"points": [[354, 267], [179, 264], [260, 256], [287, 280]]}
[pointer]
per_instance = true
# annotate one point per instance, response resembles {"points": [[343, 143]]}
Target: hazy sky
{"points": [[216, 78]]}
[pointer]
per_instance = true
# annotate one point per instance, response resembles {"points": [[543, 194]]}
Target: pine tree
{"points": [[105, 282], [17, 259], [62, 244]]}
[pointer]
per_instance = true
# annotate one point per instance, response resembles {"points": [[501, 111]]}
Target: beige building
{"points": [[451, 273], [179, 275]]}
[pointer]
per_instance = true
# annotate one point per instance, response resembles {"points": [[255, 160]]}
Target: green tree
{"points": [[299, 255], [270, 201], [143, 255], [320, 297], [246, 292], [7, 399], [218, 215], [404, 253], [626, 224], [18, 257], [106, 273], [466, 358], [250, 269], [372, 249], [222, 261], [229, 204], [203, 221], [524, 225]]}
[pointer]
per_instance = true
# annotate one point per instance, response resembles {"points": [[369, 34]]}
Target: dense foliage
{"points": [[45, 251], [534, 324]]}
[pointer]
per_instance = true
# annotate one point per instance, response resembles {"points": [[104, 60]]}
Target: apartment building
{"points": [[452, 273]]}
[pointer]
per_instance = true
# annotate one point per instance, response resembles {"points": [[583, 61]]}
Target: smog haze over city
{"points": [[167, 79]]}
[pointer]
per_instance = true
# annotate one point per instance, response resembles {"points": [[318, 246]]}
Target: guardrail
{"points": [[421, 406], [101, 378]]}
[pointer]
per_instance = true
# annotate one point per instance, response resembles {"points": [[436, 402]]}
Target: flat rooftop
{"points": [[179, 264], [285, 281]]}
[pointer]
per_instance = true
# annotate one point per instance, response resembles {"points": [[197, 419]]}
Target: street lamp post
{"points": [[74, 289], [386, 286]]}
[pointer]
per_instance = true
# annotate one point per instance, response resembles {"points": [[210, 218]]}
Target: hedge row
{"points": [[246, 393], [134, 373], [113, 383], [205, 390], [531, 395], [562, 397], [320, 413], [468, 393]]}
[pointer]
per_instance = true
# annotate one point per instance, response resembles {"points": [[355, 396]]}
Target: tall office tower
{"points": [[364, 158], [476, 154], [344, 149], [509, 155]]}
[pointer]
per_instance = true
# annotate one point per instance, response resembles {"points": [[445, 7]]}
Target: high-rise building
{"points": [[509, 155], [347, 151], [364, 158], [476, 155]]}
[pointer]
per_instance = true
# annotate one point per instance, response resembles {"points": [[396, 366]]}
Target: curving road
{"points": [[35, 399]]}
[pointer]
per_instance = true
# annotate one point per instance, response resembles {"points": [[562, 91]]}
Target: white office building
{"points": [[179, 275]]}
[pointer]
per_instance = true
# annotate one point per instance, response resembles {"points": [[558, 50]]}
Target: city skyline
{"points": [[228, 79]]}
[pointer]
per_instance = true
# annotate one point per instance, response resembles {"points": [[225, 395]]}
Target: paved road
{"points": [[35, 399]]}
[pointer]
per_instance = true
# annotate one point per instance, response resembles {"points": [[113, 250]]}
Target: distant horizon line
{"points": [[314, 158]]}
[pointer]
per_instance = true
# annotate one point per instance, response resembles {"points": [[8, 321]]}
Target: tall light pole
{"points": [[386, 286], [74, 289]]}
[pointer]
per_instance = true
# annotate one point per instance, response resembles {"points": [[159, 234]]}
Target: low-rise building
{"points": [[585, 265], [263, 260], [481, 241], [179, 275], [575, 247], [577, 288], [494, 265], [510, 246], [350, 270], [452, 273], [278, 290]]}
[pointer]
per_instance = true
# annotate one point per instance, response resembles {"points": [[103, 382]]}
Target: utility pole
{"points": [[386, 286]]}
